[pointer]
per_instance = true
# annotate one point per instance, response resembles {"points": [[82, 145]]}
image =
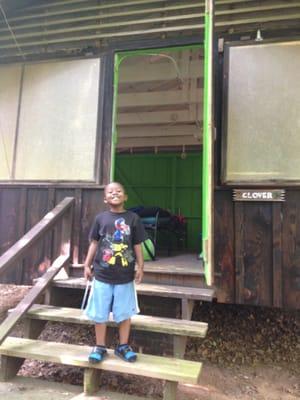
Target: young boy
{"points": [[115, 247]]}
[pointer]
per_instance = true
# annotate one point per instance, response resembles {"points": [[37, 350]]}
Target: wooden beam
{"points": [[164, 30], [173, 97], [53, 4], [179, 342], [106, 36], [100, 26], [84, 9], [170, 141], [9, 367], [162, 71], [170, 390], [258, 9], [65, 11], [239, 225], [95, 17], [277, 255], [19, 249], [164, 117], [141, 21], [42, 283], [91, 381], [256, 20], [160, 131]]}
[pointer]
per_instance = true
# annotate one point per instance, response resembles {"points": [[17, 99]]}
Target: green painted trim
{"points": [[207, 143], [205, 127], [114, 118], [150, 51]]}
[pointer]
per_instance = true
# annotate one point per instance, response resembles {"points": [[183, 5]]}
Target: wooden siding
{"points": [[20, 204], [62, 27], [257, 251], [257, 247]]}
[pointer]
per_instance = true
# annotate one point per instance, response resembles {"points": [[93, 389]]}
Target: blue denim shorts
{"points": [[104, 298]]}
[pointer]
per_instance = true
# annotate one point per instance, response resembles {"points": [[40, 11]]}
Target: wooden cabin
{"points": [[134, 91], [194, 106]]}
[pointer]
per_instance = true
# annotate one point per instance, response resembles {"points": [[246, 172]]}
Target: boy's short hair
{"points": [[115, 183]]}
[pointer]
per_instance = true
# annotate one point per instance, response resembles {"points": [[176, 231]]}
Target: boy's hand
{"points": [[139, 275], [88, 274]]}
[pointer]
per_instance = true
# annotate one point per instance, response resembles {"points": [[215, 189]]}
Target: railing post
{"points": [[66, 240]]}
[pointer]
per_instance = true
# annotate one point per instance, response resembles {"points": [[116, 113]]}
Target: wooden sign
{"points": [[258, 195]]}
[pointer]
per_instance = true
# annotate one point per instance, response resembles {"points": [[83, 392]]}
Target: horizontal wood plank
{"points": [[155, 72], [155, 132], [147, 289], [138, 322], [143, 21], [68, 354], [158, 117], [107, 15], [179, 264], [129, 143], [174, 97]]}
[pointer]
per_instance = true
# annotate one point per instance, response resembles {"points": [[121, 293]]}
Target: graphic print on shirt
{"points": [[115, 247]]}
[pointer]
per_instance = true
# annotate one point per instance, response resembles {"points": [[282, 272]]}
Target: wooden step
{"points": [[138, 322], [164, 368], [147, 289], [104, 395]]}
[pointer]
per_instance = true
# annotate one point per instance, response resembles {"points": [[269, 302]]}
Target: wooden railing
{"points": [[61, 214]]}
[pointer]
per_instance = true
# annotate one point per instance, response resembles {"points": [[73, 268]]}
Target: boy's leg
{"points": [[124, 331], [100, 331], [124, 350], [124, 306], [99, 351], [98, 308]]}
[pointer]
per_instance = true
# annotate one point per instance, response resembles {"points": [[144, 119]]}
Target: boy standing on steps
{"points": [[115, 247]]}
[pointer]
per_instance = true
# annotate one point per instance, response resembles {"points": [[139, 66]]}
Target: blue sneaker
{"points": [[97, 354], [125, 352]]}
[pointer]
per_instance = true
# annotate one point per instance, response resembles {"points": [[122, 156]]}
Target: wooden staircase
{"points": [[54, 289]]}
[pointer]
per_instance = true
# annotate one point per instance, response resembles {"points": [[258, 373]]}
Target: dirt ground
{"points": [[250, 353]]}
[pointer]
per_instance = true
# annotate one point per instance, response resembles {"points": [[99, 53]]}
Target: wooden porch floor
{"points": [[181, 264], [184, 269]]}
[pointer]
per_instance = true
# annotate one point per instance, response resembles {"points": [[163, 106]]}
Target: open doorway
{"points": [[158, 151]]}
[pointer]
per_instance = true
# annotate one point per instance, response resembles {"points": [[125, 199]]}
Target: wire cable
{"points": [[5, 151], [12, 32]]}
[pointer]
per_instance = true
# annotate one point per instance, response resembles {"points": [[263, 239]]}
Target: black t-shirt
{"points": [[116, 233]]}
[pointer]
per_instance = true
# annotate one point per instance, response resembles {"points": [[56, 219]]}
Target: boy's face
{"points": [[114, 194]]}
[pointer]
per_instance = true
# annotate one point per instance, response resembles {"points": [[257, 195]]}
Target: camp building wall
{"points": [[256, 245]]}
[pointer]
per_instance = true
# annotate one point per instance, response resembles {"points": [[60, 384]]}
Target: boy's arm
{"points": [[140, 262], [89, 259]]}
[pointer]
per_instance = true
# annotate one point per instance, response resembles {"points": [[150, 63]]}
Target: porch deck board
{"points": [[147, 289], [179, 264], [187, 264]]}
